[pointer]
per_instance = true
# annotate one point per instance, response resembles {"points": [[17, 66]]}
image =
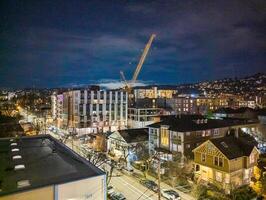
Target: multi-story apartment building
{"points": [[144, 112], [193, 105], [141, 117], [226, 162], [95, 110], [179, 135], [57, 109]]}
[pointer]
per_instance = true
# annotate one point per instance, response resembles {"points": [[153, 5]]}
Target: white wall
{"points": [[93, 188]]}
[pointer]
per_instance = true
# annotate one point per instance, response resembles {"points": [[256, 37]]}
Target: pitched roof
{"points": [[135, 135], [184, 123], [233, 147]]}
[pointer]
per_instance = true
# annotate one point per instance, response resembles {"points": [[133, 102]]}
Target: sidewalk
{"points": [[166, 186]]}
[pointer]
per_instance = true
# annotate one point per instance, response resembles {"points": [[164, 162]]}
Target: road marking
{"points": [[139, 191]]}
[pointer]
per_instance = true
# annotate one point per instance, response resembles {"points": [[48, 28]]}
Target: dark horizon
{"points": [[147, 84], [53, 44]]}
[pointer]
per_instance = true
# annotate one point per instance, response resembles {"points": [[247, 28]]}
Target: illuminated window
{"points": [[246, 174], [252, 158], [227, 178], [203, 157], [218, 176], [164, 137]]}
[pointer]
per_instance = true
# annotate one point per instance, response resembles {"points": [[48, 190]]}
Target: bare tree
{"points": [[98, 159]]}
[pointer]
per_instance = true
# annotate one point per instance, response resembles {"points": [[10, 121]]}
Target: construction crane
{"points": [[128, 85]]}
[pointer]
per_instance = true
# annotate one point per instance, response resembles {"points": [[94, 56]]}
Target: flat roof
{"points": [[46, 161], [184, 123]]}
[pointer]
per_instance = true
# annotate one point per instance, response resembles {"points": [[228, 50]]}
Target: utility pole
{"points": [[44, 123], [72, 139], [159, 177]]}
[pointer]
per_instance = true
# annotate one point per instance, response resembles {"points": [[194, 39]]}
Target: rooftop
{"points": [[184, 123], [46, 162], [234, 111], [233, 147], [135, 135]]}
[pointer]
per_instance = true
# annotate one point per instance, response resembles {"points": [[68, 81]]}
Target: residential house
{"points": [[226, 162], [125, 144]]}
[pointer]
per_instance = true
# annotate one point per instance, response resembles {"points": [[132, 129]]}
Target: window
{"points": [[227, 178], [174, 147], [203, 157], [218, 176], [164, 137], [216, 161], [208, 133], [216, 132], [23, 183], [19, 167], [197, 168], [251, 158], [221, 162], [14, 150], [203, 134], [187, 133], [246, 174], [16, 157]]}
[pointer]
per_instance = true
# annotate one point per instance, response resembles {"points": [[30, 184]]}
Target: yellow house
{"points": [[226, 162]]}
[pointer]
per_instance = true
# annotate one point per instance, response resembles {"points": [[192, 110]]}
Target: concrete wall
{"points": [[90, 188], [46, 193]]}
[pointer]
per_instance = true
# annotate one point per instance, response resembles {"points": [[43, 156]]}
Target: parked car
{"points": [[129, 169], [110, 190], [170, 194], [117, 196], [150, 184]]}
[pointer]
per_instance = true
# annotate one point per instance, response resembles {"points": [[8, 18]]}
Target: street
{"points": [[131, 189]]}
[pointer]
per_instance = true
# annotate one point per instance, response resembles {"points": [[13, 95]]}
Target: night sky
{"points": [[67, 43]]}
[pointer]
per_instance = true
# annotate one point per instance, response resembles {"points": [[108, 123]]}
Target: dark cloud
{"points": [[52, 43]]}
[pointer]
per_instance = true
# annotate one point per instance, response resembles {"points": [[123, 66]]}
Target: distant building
{"points": [[241, 113], [262, 116], [226, 162], [145, 112], [40, 167], [154, 92], [179, 135], [57, 109], [192, 105], [92, 111]]}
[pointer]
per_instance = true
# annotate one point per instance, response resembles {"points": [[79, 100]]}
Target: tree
{"points": [[199, 191], [7, 108], [98, 159], [243, 193]]}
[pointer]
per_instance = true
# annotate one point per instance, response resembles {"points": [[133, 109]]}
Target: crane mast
{"points": [[142, 59], [129, 85]]}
